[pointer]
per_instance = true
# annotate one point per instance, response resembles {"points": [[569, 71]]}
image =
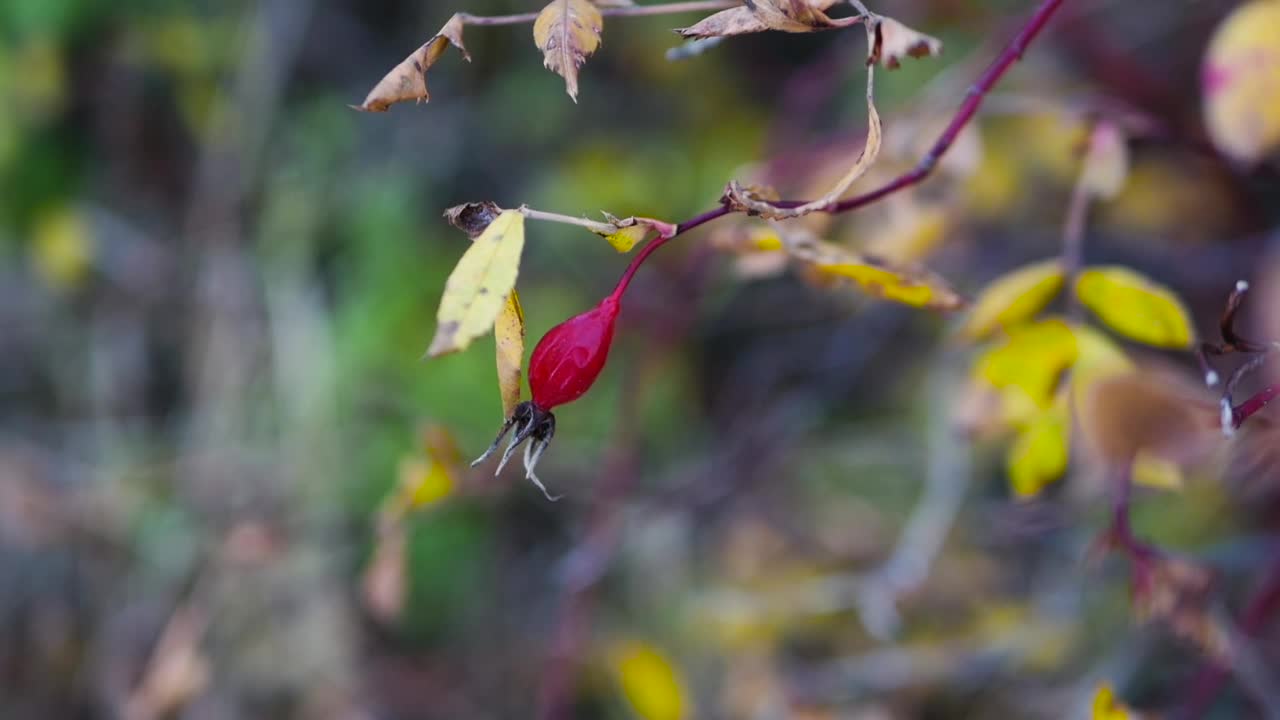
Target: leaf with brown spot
{"points": [[568, 32], [793, 16], [478, 286], [408, 80]]}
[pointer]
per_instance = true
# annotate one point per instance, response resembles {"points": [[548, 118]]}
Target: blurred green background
{"points": [[217, 282]]}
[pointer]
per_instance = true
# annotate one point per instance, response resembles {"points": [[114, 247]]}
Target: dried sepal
{"points": [[529, 423]]}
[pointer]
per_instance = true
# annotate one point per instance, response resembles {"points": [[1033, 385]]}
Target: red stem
{"points": [[977, 93], [1246, 409], [658, 242]]}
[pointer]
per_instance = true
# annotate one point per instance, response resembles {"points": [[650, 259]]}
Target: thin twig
{"points": [[628, 11], [1073, 238], [592, 225]]}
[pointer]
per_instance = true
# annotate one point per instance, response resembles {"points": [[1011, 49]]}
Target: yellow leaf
{"points": [[1014, 298], [568, 32], [1240, 79], [1039, 454], [508, 333], [408, 80], [1135, 307], [1106, 164], [1157, 472], [1105, 706], [623, 234], [423, 482], [793, 16], [649, 681], [479, 284], [908, 285], [1097, 357], [1027, 367], [895, 41], [62, 248]]}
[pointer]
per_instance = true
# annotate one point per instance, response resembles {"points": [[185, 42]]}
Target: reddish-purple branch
{"points": [[658, 242], [977, 93]]}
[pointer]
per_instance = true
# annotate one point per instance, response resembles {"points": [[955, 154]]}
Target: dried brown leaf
{"points": [[894, 41], [793, 16], [568, 32], [1153, 412], [408, 80]]}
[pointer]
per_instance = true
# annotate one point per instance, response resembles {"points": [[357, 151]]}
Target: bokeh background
{"points": [[230, 487]]}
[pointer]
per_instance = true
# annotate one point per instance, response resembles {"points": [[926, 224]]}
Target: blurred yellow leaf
{"points": [[1135, 307], [62, 248], [568, 32], [408, 80], [432, 476], [1105, 706], [1014, 298], [913, 286], [423, 482], [1157, 472], [479, 284], [1027, 367], [1240, 79], [1039, 454], [649, 681], [1106, 164], [508, 333]]}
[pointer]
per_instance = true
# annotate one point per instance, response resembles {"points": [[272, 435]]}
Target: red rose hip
{"points": [[569, 358]]}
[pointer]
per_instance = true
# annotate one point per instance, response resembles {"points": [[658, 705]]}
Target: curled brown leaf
{"points": [[793, 16], [408, 80]]}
